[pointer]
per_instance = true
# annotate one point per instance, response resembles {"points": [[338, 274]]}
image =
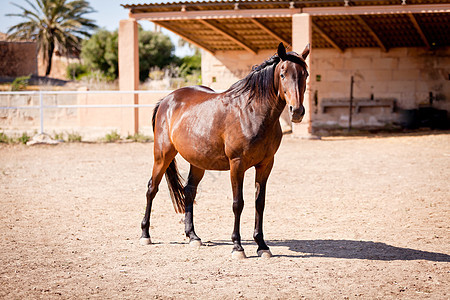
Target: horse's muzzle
{"points": [[297, 113]]}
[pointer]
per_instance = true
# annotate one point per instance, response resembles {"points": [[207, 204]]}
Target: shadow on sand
{"points": [[348, 249]]}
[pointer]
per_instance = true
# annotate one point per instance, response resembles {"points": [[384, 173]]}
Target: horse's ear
{"points": [[306, 51], [282, 52]]}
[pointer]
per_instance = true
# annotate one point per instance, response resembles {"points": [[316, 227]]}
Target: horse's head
{"points": [[291, 74]]}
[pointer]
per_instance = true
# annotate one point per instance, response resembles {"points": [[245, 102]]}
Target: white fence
{"points": [[14, 101]]}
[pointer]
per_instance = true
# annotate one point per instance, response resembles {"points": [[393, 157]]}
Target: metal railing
{"points": [[43, 106]]}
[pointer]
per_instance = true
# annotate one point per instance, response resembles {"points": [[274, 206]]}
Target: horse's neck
{"points": [[264, 114], [274, 110]]}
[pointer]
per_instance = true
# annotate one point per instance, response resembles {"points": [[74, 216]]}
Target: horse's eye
{"points": [[282, 76]]}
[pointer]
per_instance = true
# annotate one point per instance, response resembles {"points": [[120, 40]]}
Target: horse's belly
{"points": [[205, 157], [205, 151]]}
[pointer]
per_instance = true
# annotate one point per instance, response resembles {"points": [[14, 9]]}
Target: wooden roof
{"points": [[258, 24]]}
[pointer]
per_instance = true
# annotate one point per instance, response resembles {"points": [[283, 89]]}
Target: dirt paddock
{"points": [[345, 218]]}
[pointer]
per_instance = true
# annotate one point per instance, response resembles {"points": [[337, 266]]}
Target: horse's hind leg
{"points": [[190, 190], [160, 165], [262, 174], [237, 182]]}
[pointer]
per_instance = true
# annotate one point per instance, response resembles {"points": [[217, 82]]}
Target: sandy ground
{"points": [[345, 218]]}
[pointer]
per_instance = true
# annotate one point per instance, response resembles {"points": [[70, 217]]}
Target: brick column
{"points": [[129, 74], [301, 36]]}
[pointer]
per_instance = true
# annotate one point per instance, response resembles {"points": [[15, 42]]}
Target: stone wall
{"points": [[22, 59], [18, 59]]}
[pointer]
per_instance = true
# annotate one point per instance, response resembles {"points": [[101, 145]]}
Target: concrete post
{"points": [[301, 36], [129, 74]]}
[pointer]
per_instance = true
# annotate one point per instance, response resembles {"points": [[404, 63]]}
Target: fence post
{"points": [[41, 111], [352, 81]]}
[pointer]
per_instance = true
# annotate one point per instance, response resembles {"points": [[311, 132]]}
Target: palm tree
{"points": [[53, 24]]}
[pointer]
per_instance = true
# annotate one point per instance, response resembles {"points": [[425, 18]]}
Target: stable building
{"points": [[370, 60]]}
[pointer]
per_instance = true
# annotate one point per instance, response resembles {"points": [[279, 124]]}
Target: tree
{"points": [[191, 64], [100, 52], [155, 49], [53, 24]]}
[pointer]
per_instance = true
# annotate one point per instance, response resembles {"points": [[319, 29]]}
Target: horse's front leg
{"points": [[237, 180], [262, 174]]}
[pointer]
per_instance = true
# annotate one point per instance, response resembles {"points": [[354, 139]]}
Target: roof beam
{"points": [[214, 14], [288, 12], [269, 31], [372, 32], [170, 28], [327, 37], [230, 36], [377, 9], [419, 30]]}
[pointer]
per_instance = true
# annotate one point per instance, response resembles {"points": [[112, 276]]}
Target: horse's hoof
{"points": [[264, 253], [238, 255], [145, 241], [195, 243]]}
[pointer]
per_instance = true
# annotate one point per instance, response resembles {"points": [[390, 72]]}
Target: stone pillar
{"points": [[301, 36], [129, 74]]}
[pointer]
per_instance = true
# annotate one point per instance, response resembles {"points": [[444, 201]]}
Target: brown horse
{"points": [[233, 130]]}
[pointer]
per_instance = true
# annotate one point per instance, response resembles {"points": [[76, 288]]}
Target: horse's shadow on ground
{"points": [[348, 249]]}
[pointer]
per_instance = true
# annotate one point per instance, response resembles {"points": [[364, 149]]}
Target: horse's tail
{"points": [[174, 181], [155, 110]]}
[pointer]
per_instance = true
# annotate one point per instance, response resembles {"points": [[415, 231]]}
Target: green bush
{"points": [[139, 137], [73, 137], [194, 79], [190, 64], [24, 138], [97, 76], [5, 139], [58, 136], [76, 71], [112, 137], [100, 52], [20, 83]]}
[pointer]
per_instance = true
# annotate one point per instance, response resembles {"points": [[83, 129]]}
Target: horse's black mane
{"points": [[259, 83]]}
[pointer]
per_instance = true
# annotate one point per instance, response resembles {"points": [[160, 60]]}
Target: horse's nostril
{"points": [[291, 109], [303, 111]]}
